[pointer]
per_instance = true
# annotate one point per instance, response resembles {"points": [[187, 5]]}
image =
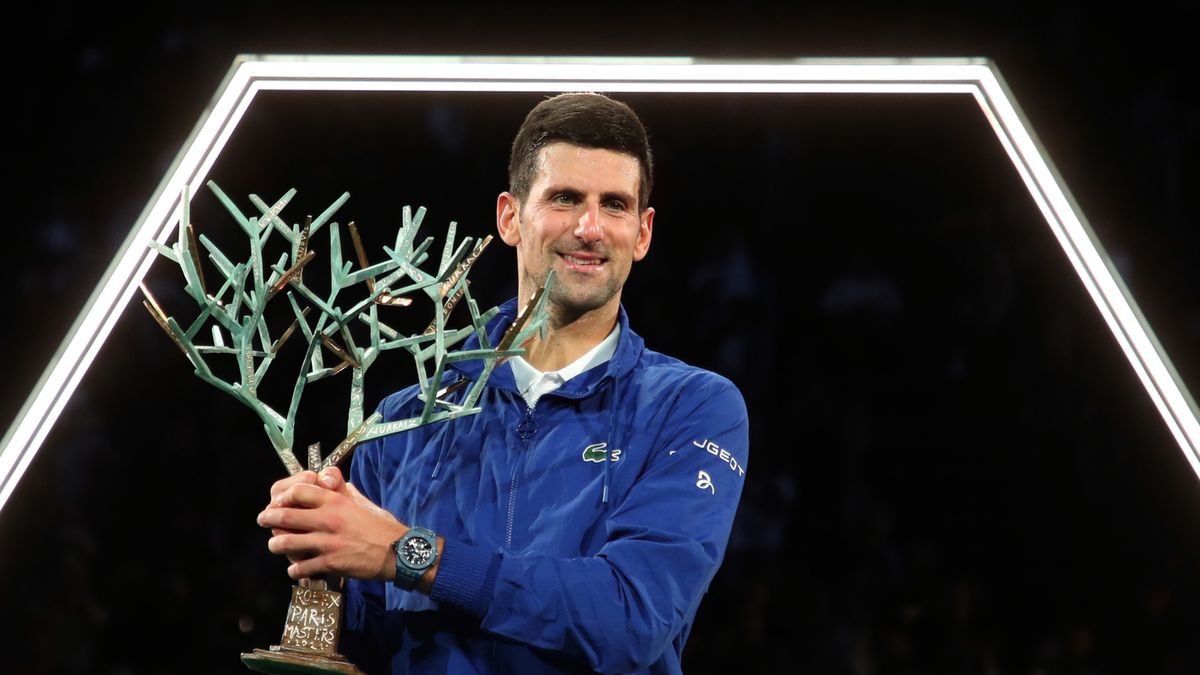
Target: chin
{"points": [[577, 304]]}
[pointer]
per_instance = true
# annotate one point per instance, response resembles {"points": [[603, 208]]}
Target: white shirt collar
{"points": [[533, 383]]}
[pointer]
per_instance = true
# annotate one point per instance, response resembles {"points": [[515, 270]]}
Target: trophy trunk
{"points": [[310, 636]]}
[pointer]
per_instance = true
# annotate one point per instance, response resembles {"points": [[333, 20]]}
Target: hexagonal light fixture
{"points": [[252, 74]]}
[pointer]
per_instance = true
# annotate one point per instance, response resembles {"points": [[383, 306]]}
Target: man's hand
{"points": [[324, 525], [304, 477]]}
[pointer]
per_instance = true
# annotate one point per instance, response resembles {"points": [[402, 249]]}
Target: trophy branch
{"points": [[234, 318]]}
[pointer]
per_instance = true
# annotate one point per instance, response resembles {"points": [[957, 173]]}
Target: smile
{"points": [[577, 262]]}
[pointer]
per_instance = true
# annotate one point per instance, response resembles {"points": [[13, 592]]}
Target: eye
{"points": [[562, 199], [615, 205]]}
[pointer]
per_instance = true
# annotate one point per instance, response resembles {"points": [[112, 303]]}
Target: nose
{"points": [[588, 228]]}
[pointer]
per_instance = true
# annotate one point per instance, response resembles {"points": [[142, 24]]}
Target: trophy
{"points": [[237, 310]]}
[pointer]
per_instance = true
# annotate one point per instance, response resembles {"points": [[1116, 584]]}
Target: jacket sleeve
{"points": [[620, 609]]}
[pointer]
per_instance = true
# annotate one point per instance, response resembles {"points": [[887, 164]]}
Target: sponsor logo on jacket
{"points": [[598, 452], [722, 454]]}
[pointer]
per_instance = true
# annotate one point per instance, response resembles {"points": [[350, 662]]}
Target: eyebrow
{"points": [[577, 194]]}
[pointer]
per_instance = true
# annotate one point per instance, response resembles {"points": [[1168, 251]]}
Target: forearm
{"points": [[616, 611]]}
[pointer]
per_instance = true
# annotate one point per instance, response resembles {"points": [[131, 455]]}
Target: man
{"points": [[576, 522]]}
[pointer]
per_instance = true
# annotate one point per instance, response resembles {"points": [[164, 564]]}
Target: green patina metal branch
{"points": [[237, 309]]}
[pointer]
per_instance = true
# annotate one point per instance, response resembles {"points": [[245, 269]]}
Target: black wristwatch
{"points": [[416, 552]]}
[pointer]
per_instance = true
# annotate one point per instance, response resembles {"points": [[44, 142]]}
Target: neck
{"points": [[568, 338]]}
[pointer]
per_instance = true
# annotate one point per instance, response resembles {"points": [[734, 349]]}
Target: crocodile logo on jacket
{"points": [[597, 452]]}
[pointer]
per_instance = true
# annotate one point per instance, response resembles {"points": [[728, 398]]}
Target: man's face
{"points": [[581, 220]]}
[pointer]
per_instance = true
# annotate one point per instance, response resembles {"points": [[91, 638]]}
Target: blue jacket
{"points": [[556, 560]]}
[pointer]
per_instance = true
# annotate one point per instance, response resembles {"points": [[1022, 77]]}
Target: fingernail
{"points": [[328, 481]]}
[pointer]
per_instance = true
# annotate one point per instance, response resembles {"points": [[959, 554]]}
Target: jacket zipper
{"points": [[525, 431]]}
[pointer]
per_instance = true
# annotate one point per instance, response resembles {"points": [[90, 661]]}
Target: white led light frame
{"points": [[251, 74]]}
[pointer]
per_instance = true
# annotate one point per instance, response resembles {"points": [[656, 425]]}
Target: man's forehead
{"points": [[563, 149]]}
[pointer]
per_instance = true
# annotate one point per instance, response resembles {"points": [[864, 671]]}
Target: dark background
{"points": [[954, 470]]}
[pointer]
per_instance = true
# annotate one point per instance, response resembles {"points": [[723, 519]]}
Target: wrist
{"points": [[425, 583]]}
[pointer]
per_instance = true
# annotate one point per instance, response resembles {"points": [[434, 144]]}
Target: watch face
{"points": [[417, 552]]}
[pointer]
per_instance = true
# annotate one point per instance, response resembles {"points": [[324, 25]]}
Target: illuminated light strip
{"points": [[635, 87], [1112, 298], [248, 76]]}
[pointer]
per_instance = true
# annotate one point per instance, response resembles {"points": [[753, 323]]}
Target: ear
{"points": [[645, 231], [508, 218]]}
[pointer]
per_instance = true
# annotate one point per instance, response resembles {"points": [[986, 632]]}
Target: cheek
{"points": [[535, 247], [633, 238], [540, 229]]}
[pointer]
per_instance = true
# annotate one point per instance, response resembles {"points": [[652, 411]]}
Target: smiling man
{"points": [[574, 525]]}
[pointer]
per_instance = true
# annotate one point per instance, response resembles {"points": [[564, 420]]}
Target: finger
{"points": [[332, 479], [305, 495], [298, 547], [283, 484], [307, 569], [292, 520], [318, 566], [355, 494], [361, 500]]}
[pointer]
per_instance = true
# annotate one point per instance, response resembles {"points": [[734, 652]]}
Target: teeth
{"points": [[579, 261]]}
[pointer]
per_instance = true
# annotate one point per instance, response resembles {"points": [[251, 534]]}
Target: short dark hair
{"points": [[586, 120]]}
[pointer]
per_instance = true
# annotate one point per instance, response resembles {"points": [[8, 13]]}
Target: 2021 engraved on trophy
{"points": [[329, 325]]}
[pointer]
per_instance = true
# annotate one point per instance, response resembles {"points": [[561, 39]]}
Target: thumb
{"points": [[332, 479], [362, 501], [355, 494]]}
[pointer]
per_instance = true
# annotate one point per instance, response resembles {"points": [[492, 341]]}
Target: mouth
{"points": [[583, 262]]}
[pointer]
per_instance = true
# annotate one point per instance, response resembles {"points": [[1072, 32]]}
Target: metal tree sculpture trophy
{"points": [[237, 308]]}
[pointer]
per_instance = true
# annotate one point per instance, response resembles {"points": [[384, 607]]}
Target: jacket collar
{"points": [[629, 350]]}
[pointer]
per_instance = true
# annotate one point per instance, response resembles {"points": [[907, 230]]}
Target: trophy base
{"points": [[282, 661]]}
